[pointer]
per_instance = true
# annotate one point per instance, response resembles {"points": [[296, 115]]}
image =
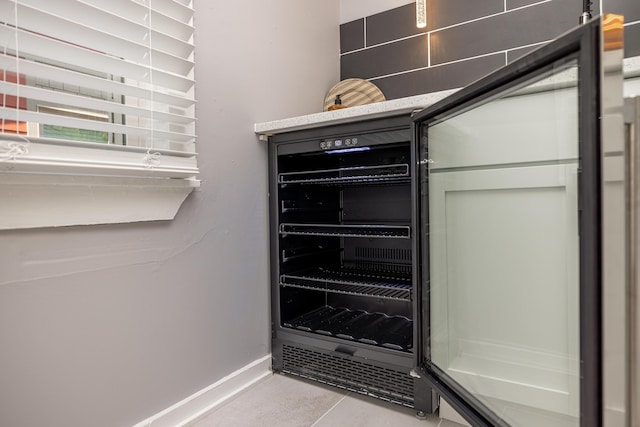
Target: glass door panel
{"points": [[511, 182], [503, 222]]}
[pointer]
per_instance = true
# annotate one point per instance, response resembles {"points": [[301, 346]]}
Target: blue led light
{"points": [[348, 150]]}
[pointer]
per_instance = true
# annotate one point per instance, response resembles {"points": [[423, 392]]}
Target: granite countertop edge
{"points": [[370, 111]]}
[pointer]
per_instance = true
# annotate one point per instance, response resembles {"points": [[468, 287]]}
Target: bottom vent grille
{"points": [[382, 383]]}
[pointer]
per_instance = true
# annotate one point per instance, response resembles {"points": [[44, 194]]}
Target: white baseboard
{"points": [[207, 399]]}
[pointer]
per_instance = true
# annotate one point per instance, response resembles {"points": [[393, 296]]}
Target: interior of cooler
{"points": [[345, 245]]}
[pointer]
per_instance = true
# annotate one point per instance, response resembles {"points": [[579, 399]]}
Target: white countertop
{"points": [[346, 115], [381, 109]]}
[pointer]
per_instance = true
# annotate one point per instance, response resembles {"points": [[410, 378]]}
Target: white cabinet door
{"points": [[504, 283]]}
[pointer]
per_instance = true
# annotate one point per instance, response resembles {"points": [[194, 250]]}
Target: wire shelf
{"points": [[340, 230], [379, 329], [351, 282], [358, 174]]}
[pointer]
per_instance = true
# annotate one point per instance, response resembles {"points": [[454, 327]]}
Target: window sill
{"points": [[35, 200], [57, 183]]}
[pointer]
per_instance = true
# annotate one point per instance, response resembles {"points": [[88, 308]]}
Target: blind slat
{"points": [[70, 77], [140, 49], [170, 8], [42, 47], [114, 24], [70, 122], [187, 3], [46, 97], [137, 12]]}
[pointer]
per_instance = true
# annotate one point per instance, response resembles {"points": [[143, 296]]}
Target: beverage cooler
{"points": [[470, 252], [342, 258]]}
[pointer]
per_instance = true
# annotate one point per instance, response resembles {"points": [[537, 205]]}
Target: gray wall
{"points": [[107, 325], [464, 40]]}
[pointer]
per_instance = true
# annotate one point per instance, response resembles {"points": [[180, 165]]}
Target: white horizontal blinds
{"points": [[117, 72]]}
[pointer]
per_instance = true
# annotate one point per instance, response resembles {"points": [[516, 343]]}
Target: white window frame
{"points": [[52, 183]]}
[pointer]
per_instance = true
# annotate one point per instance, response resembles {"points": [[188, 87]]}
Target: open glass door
{"points": [[511, 190]]}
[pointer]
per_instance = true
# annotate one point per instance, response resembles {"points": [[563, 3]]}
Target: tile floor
{"points": [[283, 401]]}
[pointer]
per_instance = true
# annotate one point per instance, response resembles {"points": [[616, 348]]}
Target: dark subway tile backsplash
{"points": [[534, 24], [392, 25], [464, 40], [434, 79], [631, 38], [400, 22], [443, 13], [512, 55], [407, 54], [629, 8], [514, 4], [352, 36]]}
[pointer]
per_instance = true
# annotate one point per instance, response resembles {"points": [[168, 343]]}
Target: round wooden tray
{"points": [[354, 92]]}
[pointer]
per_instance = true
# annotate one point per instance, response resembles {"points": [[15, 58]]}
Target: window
{"points": [[97, 95]]}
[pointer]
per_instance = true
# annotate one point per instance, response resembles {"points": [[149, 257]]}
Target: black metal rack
{"points": [[348, 230], [377, 329], [348, 175], [351, 282]]}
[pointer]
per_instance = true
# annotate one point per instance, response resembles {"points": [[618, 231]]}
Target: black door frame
{"points": [[582, 44]]}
